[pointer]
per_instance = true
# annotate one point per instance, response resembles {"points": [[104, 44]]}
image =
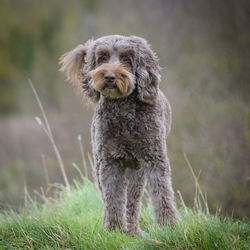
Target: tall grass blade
{"points": [[197, 183], [45, 169], [84, 163], [50, 135]]}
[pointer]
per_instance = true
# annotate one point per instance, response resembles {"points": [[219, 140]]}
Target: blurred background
{"points": [[203, 48]]}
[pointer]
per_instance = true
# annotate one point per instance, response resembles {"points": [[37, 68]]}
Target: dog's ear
{"points": [[147, 73], [74, 64]]}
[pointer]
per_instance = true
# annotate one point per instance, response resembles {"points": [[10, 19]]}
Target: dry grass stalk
{"points": [[84, 163], [196, 206], [26, 195], [41, 195], [91, 162], [182, 201], [47, 130], [197, 184], [93, 169], [102, 241], [45, 169]]}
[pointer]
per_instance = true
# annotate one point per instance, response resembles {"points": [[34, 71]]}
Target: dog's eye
{"points": [[125, 59], [102, 59]]}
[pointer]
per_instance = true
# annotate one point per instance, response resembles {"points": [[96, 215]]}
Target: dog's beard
{"points": [[122, 86]]}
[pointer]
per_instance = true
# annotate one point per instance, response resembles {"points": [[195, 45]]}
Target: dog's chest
{"points": [[117, 121], [122, 127]]}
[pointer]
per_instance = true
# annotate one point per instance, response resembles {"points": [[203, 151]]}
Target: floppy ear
{"points": [[74, 64], [147, 73]]}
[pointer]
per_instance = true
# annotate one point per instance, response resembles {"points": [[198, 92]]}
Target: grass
{"points": [[73, 219]]}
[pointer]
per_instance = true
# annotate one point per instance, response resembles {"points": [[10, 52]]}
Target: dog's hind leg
{"points": [[136, 185], [162, 194]]}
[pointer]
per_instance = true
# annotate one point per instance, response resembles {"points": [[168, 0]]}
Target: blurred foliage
{"points": [[204, 51]]}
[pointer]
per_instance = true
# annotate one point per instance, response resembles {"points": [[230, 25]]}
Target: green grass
{"points": [[73, 219]]}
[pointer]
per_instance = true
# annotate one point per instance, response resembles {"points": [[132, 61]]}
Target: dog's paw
{"points": [[135, 233]]}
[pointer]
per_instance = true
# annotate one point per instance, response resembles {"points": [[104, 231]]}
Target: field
{"points": [[72, 219]]}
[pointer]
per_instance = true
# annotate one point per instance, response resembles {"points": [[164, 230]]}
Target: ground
{"points": [[72, 219]]}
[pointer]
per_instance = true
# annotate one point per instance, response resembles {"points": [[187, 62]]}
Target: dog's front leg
{"points": [[136, 185], [114, 185]]}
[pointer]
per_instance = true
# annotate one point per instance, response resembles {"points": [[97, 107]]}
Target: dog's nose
{"points": [[109, 76]]}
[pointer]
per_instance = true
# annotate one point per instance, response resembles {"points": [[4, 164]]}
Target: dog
{"points": [[132, 120]]}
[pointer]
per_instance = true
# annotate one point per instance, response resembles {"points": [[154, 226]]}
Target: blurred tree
{"points": [[21, 49]]}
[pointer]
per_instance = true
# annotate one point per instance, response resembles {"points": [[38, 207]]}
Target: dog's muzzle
{"points": [[113, 80]]}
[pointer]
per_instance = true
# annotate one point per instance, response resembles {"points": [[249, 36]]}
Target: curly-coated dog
{"points": [[131, 122]]}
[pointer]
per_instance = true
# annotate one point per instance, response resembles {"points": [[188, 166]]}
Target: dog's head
{"points": [[113, 66]]}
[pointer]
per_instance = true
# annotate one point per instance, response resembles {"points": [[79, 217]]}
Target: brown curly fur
{"points": [[131, 122]]}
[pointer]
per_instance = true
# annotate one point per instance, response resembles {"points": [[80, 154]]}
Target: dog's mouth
{"points": [[111, 90], [109, 86]]}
